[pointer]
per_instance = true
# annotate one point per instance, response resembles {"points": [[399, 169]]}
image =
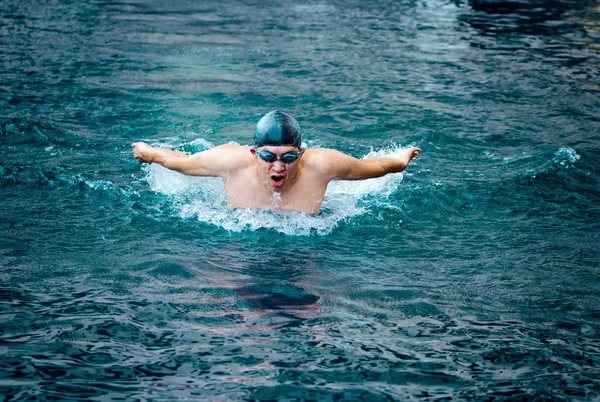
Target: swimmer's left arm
{"points": [[345, 167]]}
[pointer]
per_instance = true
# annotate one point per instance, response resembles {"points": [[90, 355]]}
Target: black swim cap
{"points": [[278, 129]]}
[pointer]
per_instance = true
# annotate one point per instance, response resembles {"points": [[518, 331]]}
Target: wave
{"points": [[205, 199], [13, 175], [25, 132], [565, 157]]}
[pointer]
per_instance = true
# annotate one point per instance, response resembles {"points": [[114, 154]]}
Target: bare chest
{"points": [[244, 190]]}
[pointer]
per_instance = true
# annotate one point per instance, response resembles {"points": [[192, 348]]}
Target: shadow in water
{"points": [[534, 17], [271, 284], [290, 301]]}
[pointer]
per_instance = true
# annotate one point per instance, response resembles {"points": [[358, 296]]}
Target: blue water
{"points": [[474, 275]]}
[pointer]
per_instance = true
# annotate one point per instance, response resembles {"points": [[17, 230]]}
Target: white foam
{"points": [[204, 198], [313, 8], [565, 157], [201, 143]]}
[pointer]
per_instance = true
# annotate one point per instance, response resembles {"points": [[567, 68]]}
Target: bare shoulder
{"points": [[232, 148], [227, 150], [325, 161], [323, 155], [226, 158], [240, 153]]}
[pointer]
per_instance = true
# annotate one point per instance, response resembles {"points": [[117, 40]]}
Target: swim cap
{"points": [[278, 129]]}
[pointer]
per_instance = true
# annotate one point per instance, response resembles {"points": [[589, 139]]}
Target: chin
{"points": [[276, 189]]}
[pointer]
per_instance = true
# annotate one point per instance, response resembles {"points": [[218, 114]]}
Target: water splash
{"points": [[565, 157], [276, 198], [205, 199]]}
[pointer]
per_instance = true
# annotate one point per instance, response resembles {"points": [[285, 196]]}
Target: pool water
{"points": [[474, 275]]}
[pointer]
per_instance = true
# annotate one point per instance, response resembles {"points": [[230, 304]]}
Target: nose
{"points": [[278, 166]]}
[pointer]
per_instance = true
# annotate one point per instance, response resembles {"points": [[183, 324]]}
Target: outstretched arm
{"points": [[211, 162], [345, 167]]}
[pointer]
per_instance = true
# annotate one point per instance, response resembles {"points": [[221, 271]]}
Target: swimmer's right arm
{"points": [[211, 162], [143, 152]]}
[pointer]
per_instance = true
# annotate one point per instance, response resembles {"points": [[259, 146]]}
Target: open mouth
{"points": [[277, 180]]}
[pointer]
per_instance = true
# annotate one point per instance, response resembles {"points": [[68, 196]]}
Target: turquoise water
{"points": [[473, 276]]}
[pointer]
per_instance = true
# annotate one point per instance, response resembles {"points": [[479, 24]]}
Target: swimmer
{"points": [[276, 173]]}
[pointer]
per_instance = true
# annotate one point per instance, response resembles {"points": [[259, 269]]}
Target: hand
{"points": [[408, 154], [414, 152], [140, 152]]}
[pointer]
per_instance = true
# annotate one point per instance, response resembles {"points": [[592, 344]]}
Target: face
{"points": [[276, 175]]}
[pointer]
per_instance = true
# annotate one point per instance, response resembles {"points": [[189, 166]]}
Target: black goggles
{"points": [[287, 158]]}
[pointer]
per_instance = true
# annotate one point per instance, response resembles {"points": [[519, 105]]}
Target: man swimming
{"points": [[277, 173]]}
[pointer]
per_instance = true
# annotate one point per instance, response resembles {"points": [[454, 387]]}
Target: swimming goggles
{"points": [[287, 158]]}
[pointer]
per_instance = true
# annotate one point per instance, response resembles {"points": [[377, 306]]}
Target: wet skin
{"points": [[251, 182], [277, 176], [277, 185]]}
